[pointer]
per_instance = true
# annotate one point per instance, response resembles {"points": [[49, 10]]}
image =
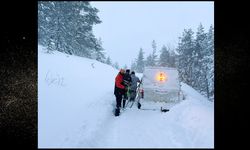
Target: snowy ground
{"points": [[75, 104]]}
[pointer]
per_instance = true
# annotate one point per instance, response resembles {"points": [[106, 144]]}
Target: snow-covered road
{"points": [[187, 125]]}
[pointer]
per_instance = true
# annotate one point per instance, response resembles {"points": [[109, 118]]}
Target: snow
{"points": [[83, 13], [75, 110]]}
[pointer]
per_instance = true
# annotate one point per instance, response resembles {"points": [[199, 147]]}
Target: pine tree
{"points": [[154, 56], [185, 59], [149, 61], [108, 61], [99, 54], [172, 59], [133, 66], [80, 18], [140, 62], [47, 24], [164, 60], [196, 60], [67, 27], [208, 60], [200, 61]]}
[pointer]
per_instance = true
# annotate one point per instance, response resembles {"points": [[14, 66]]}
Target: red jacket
{"points": [[118, 81]]}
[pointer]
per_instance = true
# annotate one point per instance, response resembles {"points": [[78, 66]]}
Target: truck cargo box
{"points": [[161, 84]]}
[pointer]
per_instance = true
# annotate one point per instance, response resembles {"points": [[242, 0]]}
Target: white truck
{"points": [[161, 84]]}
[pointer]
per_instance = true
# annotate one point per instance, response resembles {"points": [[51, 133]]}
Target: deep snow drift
{"points": [[75, 104]]}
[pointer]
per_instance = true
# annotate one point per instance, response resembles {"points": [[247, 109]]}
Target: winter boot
{"points": [[139, 105], [117, 111]]}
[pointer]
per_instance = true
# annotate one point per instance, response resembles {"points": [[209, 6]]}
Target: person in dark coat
{"points": [[133, 87], [127, 83], [119, 88]]}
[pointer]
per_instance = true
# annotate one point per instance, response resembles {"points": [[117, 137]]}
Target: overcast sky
{"points": [[128, 26]]}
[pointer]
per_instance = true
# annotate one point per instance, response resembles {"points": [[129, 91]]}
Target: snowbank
{"points": [[75, 95]]}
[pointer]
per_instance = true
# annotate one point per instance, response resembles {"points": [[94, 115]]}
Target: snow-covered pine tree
{"points": [[200, 63], [208, 60], [149, 61], [80, 20], [172, 59], [140, 62], [196, 60], [154, 56], [47, 24], [133, 66], [164, 59], [90, 18], [67, 27], [98, 53], [108, 61], [185, 49]]}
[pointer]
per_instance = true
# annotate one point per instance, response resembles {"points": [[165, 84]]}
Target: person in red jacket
{"points": [[119, 89]]}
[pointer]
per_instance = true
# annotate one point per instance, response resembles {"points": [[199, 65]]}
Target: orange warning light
{"points": [[161, 77]]}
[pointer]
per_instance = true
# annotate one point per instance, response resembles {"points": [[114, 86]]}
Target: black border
{"points": [[18, 61], [19, 57]]}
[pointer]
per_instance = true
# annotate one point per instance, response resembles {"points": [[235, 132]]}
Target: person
{"points": [[119, 90], [133, 87], [127, 83]]}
